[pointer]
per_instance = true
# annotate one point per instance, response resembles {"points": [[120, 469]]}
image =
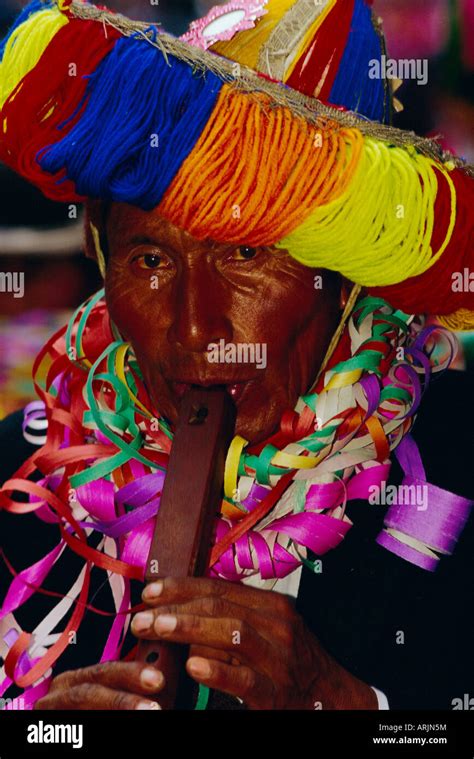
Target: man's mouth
{"points": [[235, 389]]}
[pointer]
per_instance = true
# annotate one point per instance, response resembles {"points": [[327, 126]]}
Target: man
{"points": [[365, 620]]}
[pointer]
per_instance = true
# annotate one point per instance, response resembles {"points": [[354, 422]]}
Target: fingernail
{"points": [[151, 678], [153, 590], [165, 623], [148, 705], [199, 667], [142, 621]]}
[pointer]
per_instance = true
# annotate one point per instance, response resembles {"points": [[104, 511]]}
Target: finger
{"points": [[277, 631], [255, 690], [135, 677], [92, 696], [181, 589], [204, 606], [229, 635], [206, 652]]}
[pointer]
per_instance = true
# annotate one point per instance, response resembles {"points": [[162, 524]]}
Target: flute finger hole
{"points": [[152, 657], [198, 414]]}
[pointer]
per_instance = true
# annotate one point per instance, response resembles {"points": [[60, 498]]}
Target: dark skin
{"points": [[243, 641]]}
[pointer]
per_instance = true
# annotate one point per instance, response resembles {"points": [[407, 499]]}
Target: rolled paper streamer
{"points": [[35, 421], [33, 408], [405, 551], [435, 527]]}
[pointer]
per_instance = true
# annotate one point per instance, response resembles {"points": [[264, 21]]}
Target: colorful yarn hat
{"points": [[269, 137], [270, 132]]}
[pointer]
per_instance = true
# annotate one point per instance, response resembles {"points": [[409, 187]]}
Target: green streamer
{"points": [[203, 698]]}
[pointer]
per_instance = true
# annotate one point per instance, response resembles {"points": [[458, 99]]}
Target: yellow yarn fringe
{"points": [[459, 321], [379, 231], [25, 47]]}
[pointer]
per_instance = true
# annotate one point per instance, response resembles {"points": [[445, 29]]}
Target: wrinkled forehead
{"points": [[126, 224]]}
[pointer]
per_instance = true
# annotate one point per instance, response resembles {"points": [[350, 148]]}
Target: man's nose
{"points": [[199, 309]]}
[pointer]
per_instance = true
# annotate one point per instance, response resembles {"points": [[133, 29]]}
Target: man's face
{"points": [[171, 296]]}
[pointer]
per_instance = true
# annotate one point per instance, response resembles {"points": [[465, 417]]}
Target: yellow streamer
{"points": [[343, 379], [289, 461], [120, 371], [232, 465]]}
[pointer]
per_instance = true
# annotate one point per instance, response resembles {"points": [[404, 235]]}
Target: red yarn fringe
{"points": [[432, 292], [48, 96]]}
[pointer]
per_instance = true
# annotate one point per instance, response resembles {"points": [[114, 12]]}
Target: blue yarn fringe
{"points": [[352, 87], [132, 96]]}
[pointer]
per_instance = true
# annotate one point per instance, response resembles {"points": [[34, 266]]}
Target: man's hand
{"points": [[249, 643], [111, 685]]}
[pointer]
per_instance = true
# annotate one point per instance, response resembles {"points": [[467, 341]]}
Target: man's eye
{"points": [[244, 253], [150, 261]]}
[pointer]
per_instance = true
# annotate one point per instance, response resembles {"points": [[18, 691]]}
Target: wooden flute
{"points": [[190, 502]]}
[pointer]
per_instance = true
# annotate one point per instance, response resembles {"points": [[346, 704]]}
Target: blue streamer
{"points": [[352, 87], [140, 119]]}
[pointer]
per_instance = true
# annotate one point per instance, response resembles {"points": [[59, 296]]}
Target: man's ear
{"points": [[95, 243], [346, 288]]}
